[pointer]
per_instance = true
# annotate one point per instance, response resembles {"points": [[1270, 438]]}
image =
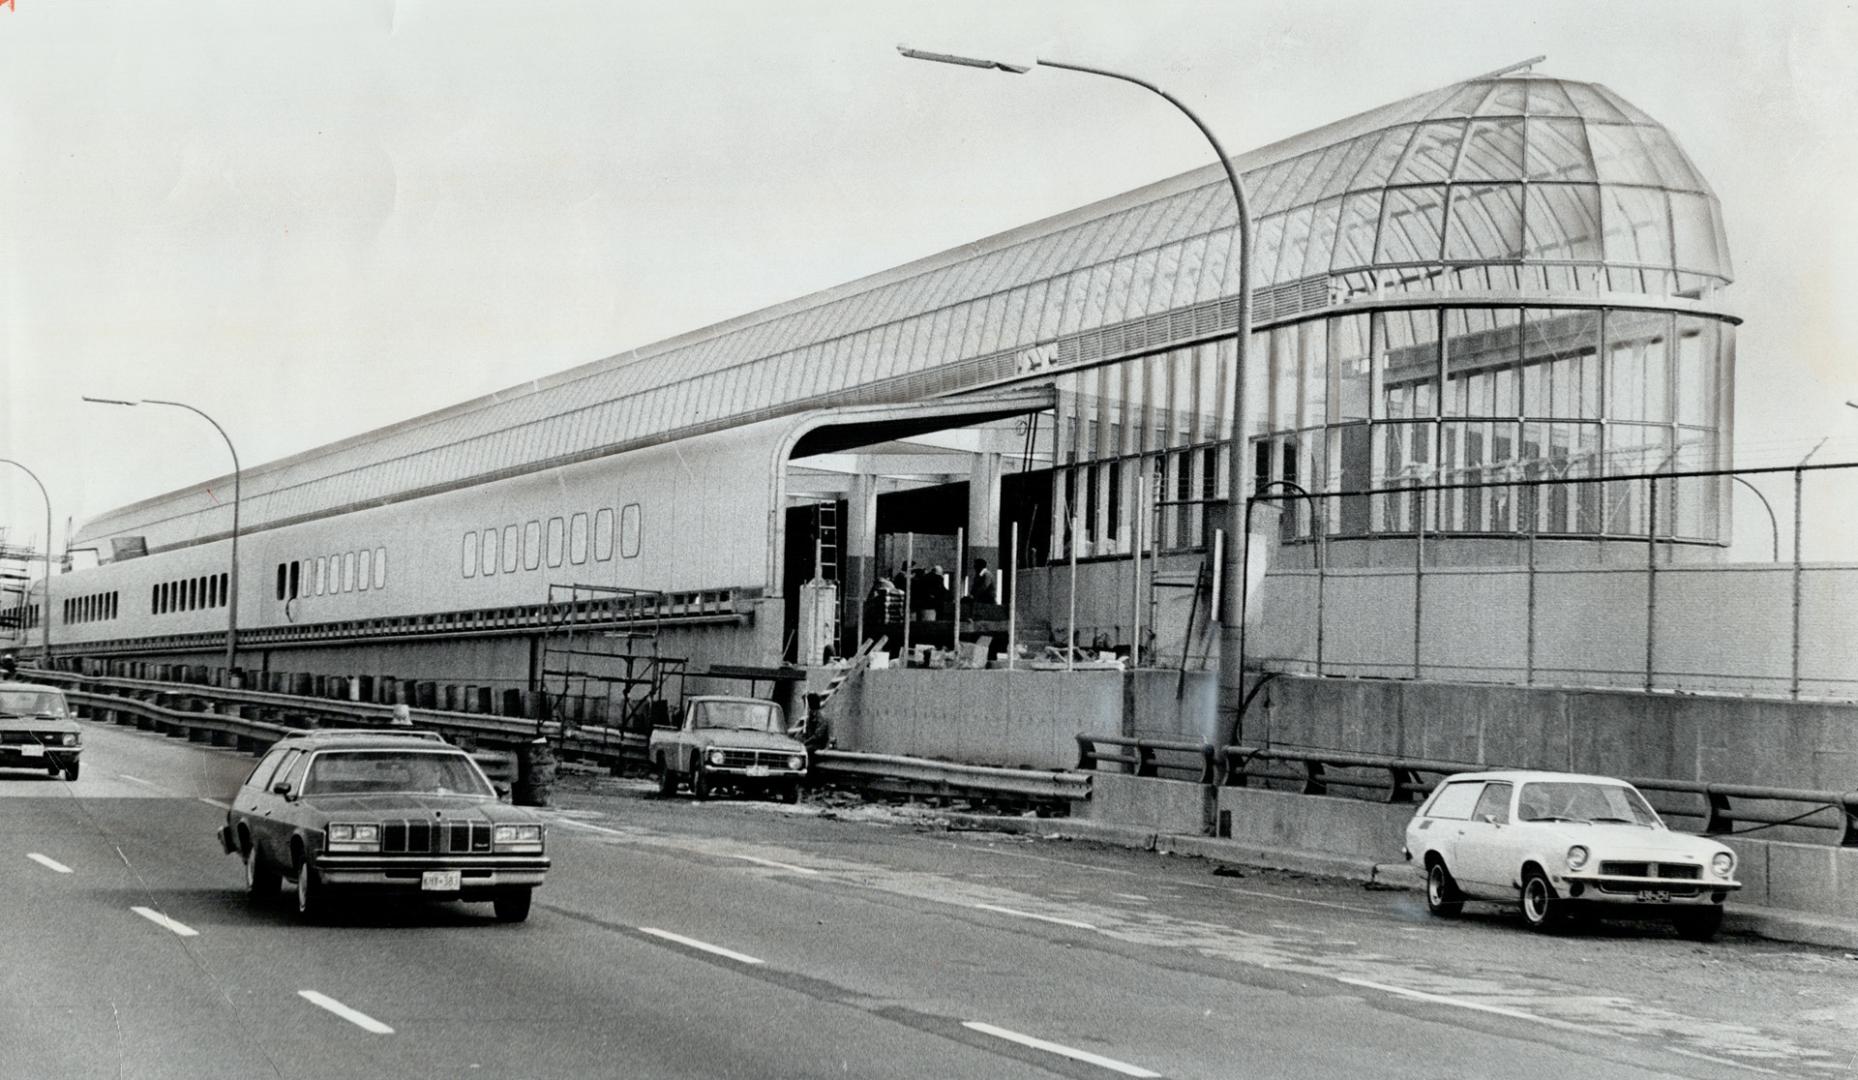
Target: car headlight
{"points": [[1577, 857], [1722, 864], [716, 756], [796, 762], [517, 837], [70, 738], [347, 837]]}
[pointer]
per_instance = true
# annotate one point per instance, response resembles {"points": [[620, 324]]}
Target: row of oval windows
{"points": [[562, 540], [349, 571], [94, 608], [188, 594]]}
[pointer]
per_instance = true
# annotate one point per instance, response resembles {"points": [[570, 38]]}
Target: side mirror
{"points": [[1489, 819], [282, 787], [503, 792]]}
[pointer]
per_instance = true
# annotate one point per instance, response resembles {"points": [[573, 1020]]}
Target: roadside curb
{"points": [[1773, 924]]}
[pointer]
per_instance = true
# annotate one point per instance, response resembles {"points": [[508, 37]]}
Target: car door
{"points": [[270, 823], [1441, 827], [1486, 850]]}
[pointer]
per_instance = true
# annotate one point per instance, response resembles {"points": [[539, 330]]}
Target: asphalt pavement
{"points": [[750, 939]]}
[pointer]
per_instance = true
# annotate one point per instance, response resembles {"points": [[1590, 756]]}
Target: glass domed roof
{"points": [[1521, 170]]}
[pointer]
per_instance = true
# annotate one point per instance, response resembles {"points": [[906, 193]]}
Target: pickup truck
{"points": [[733, 742]]}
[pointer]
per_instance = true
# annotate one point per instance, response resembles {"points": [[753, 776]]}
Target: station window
{"points": [[603, 534], [557, 536], [348, 572], [467, 556], [364, 573], [380, 568], [512, 554], [577, 539], [224, 588], [629, 531], [296, 579], [322, 570], [489, 561], [532, 545], [154, 600], [282, 576], [335, 573]]}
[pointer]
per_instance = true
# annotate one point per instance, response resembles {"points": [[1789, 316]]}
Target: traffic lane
{"points": [[207, 983], [93, 987], [1749, 1002], [1176, 1002], [122, 763]]}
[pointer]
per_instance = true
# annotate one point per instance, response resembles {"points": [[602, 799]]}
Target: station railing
{"points": [[1719, 807]]}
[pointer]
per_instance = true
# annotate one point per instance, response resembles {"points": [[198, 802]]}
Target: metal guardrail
{"points": [[225, 717], [1404, 782]]}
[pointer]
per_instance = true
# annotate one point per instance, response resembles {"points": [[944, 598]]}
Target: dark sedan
{"points": [[387, 813]]}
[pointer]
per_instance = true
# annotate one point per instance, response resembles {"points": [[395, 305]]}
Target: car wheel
{"points": [[667, 780], [699, 782], [1700, 924], [310, 899], [71, 771], [790, 792], [1542, 909], [261, 880], [512, 905], [1442, 896]]}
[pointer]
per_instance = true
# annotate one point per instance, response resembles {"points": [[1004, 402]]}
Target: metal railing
{"points": [[1404, 781]]}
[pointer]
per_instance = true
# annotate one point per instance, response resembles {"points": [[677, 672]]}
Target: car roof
{"points": [[28, 686], [353, 739], [1518, 775], [729, 697]]}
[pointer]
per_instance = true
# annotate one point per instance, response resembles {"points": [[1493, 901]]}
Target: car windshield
{"points": [[1574, 800], [373, 772], [739, 715], [32, 703]]}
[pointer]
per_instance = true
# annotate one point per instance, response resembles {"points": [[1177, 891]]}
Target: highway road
{"points": [[734, 939]]}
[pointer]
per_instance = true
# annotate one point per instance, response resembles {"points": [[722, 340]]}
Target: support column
{"points": [[860, 539], [983, 518]]}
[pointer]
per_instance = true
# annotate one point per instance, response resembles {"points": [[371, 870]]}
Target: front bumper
{"points": [[32, 756], [1645, 892], [477, 874]]}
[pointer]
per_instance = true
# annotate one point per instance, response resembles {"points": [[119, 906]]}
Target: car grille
{"points": [[1673, 889], [1669, 871], [428, 838], [27, 738], [742, 759]]}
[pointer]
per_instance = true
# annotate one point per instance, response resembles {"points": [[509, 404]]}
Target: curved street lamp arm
{"points": [[45, 628]]}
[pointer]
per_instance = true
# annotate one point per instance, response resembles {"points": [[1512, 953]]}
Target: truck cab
{"points": [[740, 743]]}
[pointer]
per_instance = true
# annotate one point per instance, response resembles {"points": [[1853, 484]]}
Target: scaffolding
{"points": [[603, 672]]}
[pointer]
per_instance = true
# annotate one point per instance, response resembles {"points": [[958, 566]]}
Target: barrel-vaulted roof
{"points": [[1519, 183]]}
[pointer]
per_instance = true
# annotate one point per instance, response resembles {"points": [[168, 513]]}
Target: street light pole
{"points": [[45, 627], [1232, 570], [232, 577]]}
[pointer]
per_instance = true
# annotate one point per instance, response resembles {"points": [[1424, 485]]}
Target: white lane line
{"points": [[1456, 1003], [1721, 1061], [775, 865], [1130, 896], [359, 1019], [161, 920], [1060, 1049], [213, 802], [704, 946], [49, 863], [138, 780], [571, 823], [1035, 915]]}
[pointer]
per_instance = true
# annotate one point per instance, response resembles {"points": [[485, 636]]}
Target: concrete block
{"points": [[1165, 806], [1349, 828], [1804, 878]]}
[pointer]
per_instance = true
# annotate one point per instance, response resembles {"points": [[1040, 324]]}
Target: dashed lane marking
{"points": [[49, 863], [1456, 1003], [1015, 912], [1060, 1049], [703, 946], [775, 865], [354, 1016], [139, 780], [213, 802], [161, 920]]}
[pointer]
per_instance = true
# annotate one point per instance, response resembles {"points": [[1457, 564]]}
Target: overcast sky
{"points": [[311, 220]]}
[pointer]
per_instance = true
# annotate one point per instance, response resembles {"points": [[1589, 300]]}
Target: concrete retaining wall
{"points": [[986, 717]]}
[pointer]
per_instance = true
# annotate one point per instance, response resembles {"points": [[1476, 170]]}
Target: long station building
{"points": [[1509, 279]]}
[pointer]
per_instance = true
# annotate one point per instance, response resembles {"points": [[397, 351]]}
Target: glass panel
{"points": [[1486, 223], [1590, 104], [1480, 361], [1637, 230], [1635, 448], [557, 540], [1558, 151], [1548, 98], [1267, 238], [1407, 348], [380, 568], [1637, 344], [512, 549], [1345, 166], [1493, 150], [1619, 156], [1295, 245], [364, 574], [1386, 154], [1412, 225], [577, 538], [603, 534], [1694, 233], [1561, 364], [1361, 217], [1431, 154], [1403, 457], [1351, 365], [1563, 223], [1696, 380], [1321, 248]]}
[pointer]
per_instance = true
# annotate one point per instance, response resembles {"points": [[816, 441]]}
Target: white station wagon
{"points": [[1557, 842]]}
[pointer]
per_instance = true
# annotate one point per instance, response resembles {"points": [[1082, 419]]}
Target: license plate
{"points": [[1654, 896], [439, 881], [757, 770], [32, 750]]}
